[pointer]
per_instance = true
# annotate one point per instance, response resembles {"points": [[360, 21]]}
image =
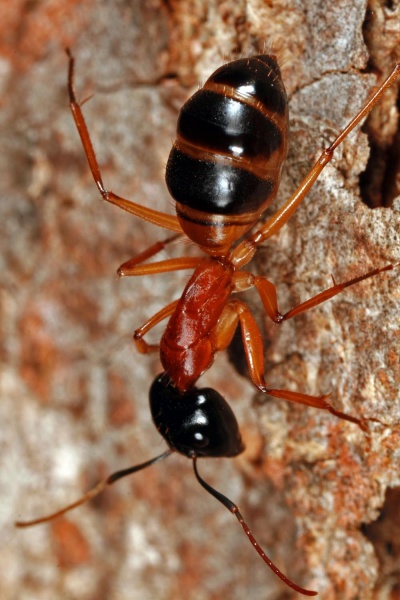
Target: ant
{"points": [[223, 171]]}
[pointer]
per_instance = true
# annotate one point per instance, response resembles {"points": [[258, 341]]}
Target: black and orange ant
{"points": [[223, 171]]}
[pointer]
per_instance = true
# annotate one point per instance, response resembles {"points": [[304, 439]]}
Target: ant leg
{"points": [[333, 291], [141, 345], [130, 265], [267, 293], [222, 334], [147, 214], [131, 268], [134, 265], [254, 350], [244, 252]]}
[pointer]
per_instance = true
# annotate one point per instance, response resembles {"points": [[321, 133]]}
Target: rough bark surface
{"points": [[74, 391]]}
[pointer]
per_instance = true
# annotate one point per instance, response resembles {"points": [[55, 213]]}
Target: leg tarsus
{"points": [[315, 402], [362, 423]]}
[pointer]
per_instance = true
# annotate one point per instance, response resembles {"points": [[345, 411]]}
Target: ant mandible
{"points": [[223, 171]]}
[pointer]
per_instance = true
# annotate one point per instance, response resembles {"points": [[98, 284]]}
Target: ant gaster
{"points": [[223, 171]]}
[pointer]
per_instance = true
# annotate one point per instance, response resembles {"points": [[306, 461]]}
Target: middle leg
{"points": [[236, 312]]}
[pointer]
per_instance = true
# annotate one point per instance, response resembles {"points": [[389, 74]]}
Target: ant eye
{"points": [[200, 440]]}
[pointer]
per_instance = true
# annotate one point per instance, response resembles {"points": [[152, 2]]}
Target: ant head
{"points": [[198, 422]]}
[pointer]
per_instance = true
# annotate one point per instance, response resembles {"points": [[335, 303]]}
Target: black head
{"points": [[198, 422]]}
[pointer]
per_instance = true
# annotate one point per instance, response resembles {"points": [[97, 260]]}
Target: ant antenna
{"points": [[95, 491], [235, 510]]}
